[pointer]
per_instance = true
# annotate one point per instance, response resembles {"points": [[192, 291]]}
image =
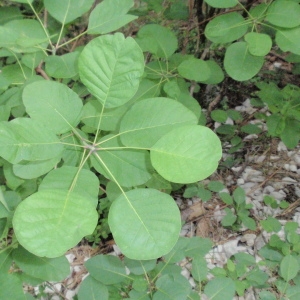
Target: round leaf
{"points": [[145, 223], [89, 286], [222, 3], [284, 14], [194, 69], [50, 222], [67, 11], [52, 269], [53, 104], [109, 16], [240, 64], [226, 28], [157, 39], [216, 73], [187, 154], [259, 44], [126, 166], [111, 66], [24, 139], [107, 269], [149, 119], [86, 183], [289, 40]]}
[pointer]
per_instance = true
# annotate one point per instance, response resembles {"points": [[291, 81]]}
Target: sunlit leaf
{"points": [[111, 66], [157, 39], [24, 139], [53, 104], [240, 64], [143, 125], [145, 223], [50, 222], [187, 154], [67, 10]]}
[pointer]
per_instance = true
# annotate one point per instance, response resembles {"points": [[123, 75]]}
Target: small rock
{"points": [[185, 273], [248, 238], [70, 294]]}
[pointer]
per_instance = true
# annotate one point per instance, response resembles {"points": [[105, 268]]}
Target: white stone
{"points": [[281, 147], [230, 248], [70, 257], [293, 168], [286, 166], [240, 181], [70, 294], [288, 180], [185, 273]]}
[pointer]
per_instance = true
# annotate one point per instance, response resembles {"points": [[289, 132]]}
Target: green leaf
{"points": [[204, 194], [67, 11], [92, 289], [198, 247], [109, 16], [107, 269], [12, 181], [145, 123], [67, 178], [291, 133], [292, 292], [50, 222], [216, 73], [24, 139], [220, 289], [177, 253], [194, 69], [251, 129], [23, 36], [229, 219], [9, 13], [266, 295], [139, 267], [289, 267], [226, 198], [111, 66], [259, 44], [34, 169], [219, 115], [240, 64], [53, 104], [289, 40], [186, 154], [64, 66], [158, 40], [52, 269], [216, 186], [112, 156], [222, 3], [249, 223], [270, 224], [175, 287], [226, 28], [14, 74], [145, 223], [199, 269], [284, 14]]}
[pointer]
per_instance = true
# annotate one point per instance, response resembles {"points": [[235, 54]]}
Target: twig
{"points": [[40, 71]]}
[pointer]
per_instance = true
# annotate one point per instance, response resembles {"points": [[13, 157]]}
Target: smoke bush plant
{"points": [[89, 117]]}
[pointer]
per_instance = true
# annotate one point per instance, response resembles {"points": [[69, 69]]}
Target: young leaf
{"points": [[107, 269], [226, 28], [186, 154], [219, 115], [271, 224], [109, 16], [289, 267], [158, 40], [197, 247], [66, 177], [240, 64], [259, 44], [53, 104], [199, 269], [135, 162], [52, 269], [67, 11], [92, 288], [145, 223], [229, 218], [220, 289], [144, 124], [24, 139], [139, 267], [111, 66], [50, 222]]}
